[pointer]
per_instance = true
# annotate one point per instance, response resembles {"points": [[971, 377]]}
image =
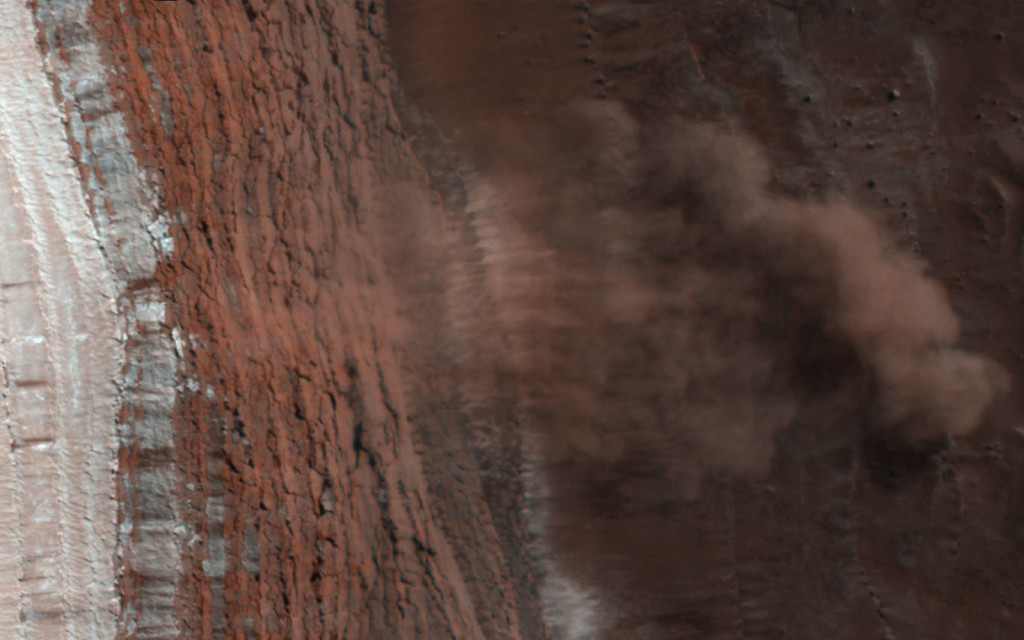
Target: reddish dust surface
{"points": [[270, 131]]}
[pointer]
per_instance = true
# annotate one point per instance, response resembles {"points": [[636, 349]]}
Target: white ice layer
{"points": [[60, 355], [135, 235]]}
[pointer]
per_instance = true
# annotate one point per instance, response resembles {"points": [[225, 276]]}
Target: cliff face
{"points": [[269, 486], [590, 320]]}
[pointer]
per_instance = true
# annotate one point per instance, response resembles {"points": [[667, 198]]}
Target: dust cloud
{"points": [[659, 308]]}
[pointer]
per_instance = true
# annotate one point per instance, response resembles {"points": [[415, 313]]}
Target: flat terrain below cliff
{"points": [[908, 112]]}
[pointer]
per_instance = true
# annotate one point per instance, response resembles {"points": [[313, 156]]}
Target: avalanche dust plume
{"points": [[661, 308]]}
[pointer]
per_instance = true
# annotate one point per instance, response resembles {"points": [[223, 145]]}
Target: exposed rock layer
{"points": [[325, 308], [60, 355], [282, 497], [270, 133]]}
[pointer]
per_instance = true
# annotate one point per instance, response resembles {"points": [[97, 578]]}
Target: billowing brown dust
{"points": [[654, 303]]}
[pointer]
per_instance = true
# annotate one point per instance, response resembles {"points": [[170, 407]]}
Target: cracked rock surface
{"points": [[352, 319]]}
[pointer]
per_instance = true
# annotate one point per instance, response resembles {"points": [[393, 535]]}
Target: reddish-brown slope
{"points": [[270, 131]]}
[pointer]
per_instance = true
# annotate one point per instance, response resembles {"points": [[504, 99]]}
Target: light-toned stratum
{"points": [[59, 351]]}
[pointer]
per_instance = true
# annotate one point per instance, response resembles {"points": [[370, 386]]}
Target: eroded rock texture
{"points": [[511, 319], [59, 359], [270, 131], [281, 497]]}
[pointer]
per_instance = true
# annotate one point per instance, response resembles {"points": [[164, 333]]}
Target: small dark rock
{"points": [[871, 184], [894, 94], [808, 99]]}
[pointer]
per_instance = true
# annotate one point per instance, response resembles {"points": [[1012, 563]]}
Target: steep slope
{"points": [[269, 486], [614, 319]]}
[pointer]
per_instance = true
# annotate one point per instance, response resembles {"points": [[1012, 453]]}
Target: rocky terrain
{"points": [[511, 319]]}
